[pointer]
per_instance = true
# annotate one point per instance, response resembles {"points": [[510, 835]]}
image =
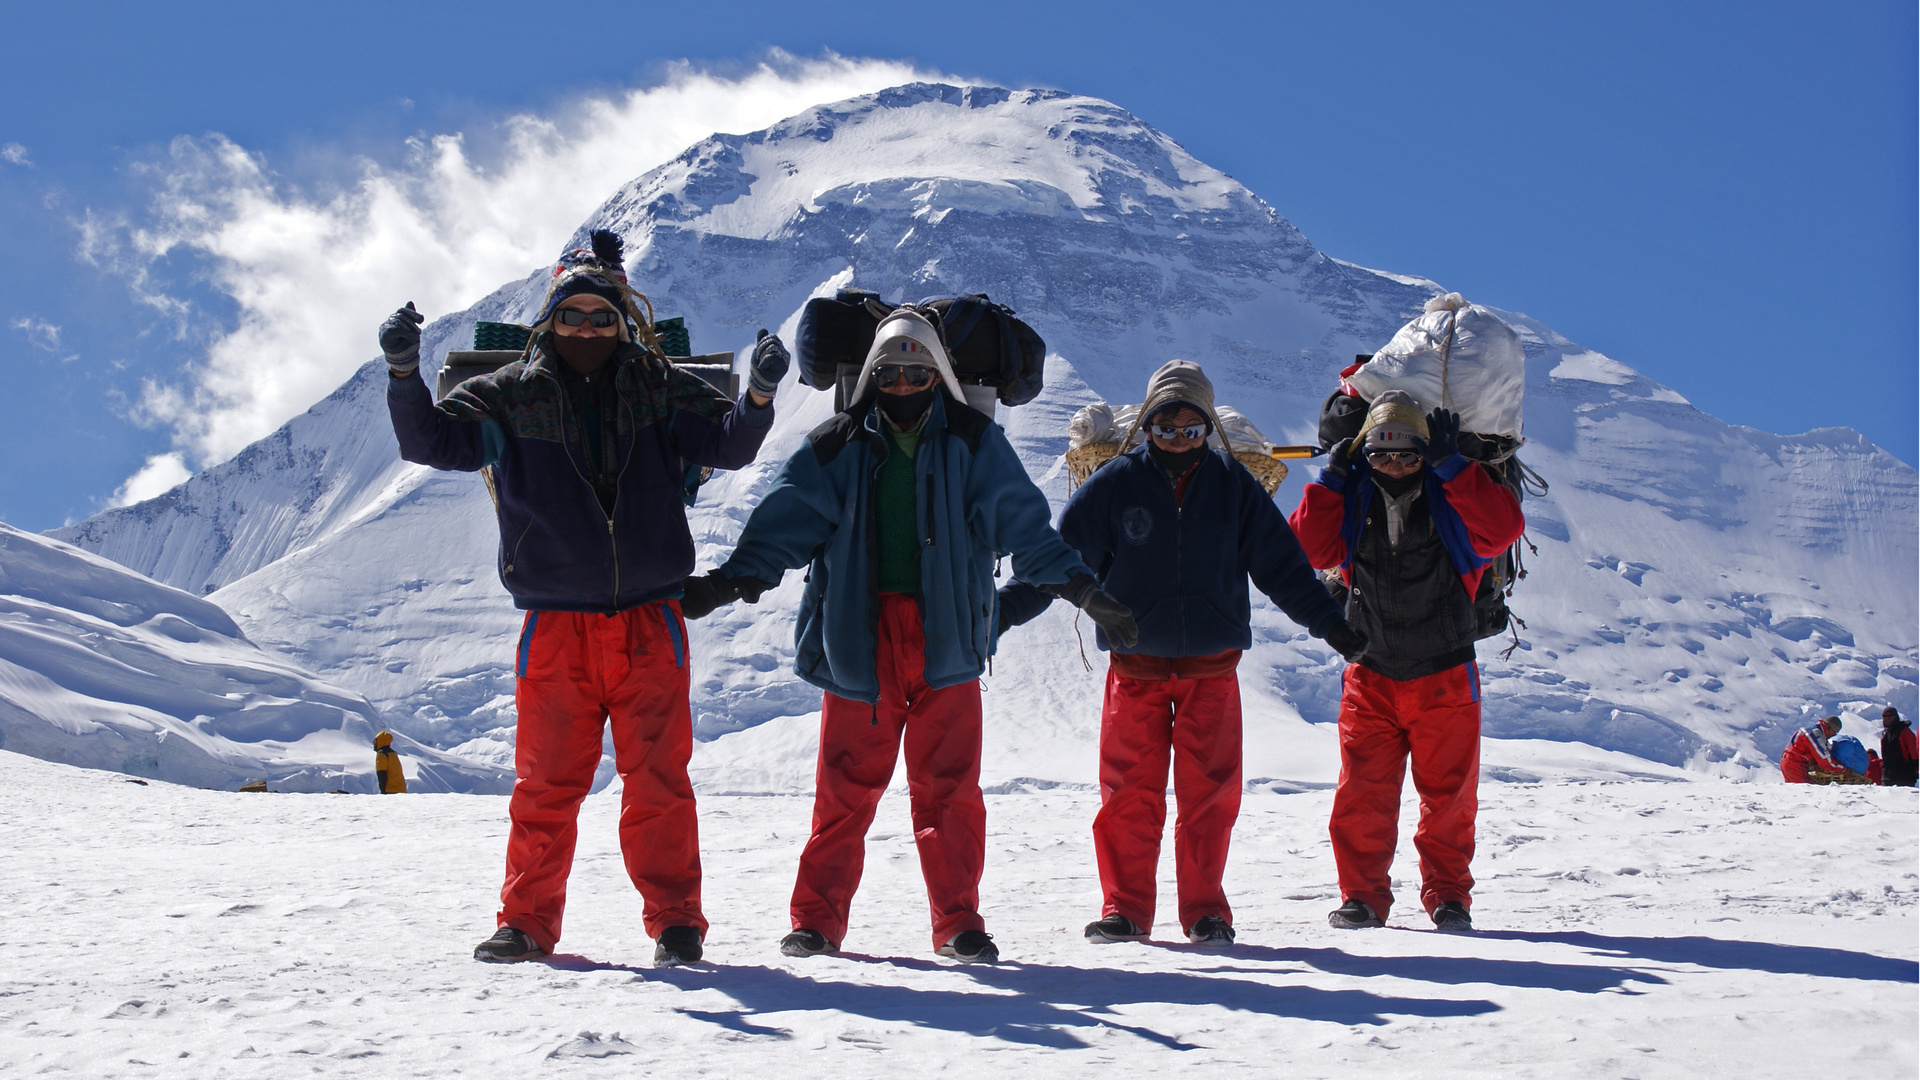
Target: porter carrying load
{"points": [[1099, 433], [1464, 358], [995, 356]]}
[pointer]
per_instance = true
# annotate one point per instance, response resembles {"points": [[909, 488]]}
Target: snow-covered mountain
{"points": [[104, 668], [1698, 588]]}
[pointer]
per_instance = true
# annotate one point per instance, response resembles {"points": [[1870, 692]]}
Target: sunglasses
{"points": [[1393, 457], [1168, 431], [916, 376], [571, 317]]}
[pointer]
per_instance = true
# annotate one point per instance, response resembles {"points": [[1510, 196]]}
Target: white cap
{"points": [[907, 337]]}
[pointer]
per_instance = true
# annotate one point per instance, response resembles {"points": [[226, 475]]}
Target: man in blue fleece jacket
{"points": [[899, 506]]}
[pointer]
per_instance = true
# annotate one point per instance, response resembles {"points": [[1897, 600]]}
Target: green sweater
{"points": [[893, 500]]}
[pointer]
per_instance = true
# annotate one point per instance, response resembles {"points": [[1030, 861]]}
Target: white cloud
{"points": [[14, 154], [160, 474], [312, 278], [44, 336]]}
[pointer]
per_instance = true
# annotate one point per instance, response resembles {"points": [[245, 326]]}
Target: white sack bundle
{"points": [[1457, 355], [1102, 423]]}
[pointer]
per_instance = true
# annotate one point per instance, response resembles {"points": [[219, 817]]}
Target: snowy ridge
{"points": [[104, 668], [1699, 588]]}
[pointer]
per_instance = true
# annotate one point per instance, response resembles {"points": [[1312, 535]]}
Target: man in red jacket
{"points": [[1412, 525], [1809, 749]]}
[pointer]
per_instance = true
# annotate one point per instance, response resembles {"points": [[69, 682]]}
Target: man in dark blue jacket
{"points": [[1174, 530], [899, 506], [589, 437]]}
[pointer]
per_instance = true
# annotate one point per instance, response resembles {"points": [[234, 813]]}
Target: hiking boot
{"points": [[971, 947], [1452, 918], [1114, 928], [677, 945], [1353, 915], [1210, 930], [806, 943], [507, 946]]}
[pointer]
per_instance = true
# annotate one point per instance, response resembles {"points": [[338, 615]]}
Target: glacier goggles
{"points": [[918, 376], [1169, 432], [1393, 457], [602, 318]]}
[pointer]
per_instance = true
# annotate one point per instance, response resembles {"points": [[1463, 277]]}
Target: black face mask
{"points": [[904, 409], [585, 354], [1176, 465], [1395, 488]]}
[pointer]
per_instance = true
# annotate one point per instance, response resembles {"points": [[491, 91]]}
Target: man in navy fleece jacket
{"points": [[1174, 530], [589, 436]]}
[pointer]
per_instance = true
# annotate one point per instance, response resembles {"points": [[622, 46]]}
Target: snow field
{"points": [[1631, 928]]}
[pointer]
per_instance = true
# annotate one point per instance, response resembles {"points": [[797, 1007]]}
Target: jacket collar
{"points": [[545, 362]]}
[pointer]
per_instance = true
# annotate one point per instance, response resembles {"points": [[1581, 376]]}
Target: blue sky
{"points": [[1722, 198]]}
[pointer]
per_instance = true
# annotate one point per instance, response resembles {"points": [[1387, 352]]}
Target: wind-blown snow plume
{"points": [[311, 276]]}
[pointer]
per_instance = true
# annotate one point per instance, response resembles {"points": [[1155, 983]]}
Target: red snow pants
{"points": [[577, 672], [858, 745], [1435, 720], [1196, 722]]}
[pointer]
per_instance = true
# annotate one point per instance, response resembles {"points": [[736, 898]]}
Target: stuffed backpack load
{"points": [[989, 347]]}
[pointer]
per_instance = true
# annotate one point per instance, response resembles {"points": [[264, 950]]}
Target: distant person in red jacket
{"points": [[1809, 749], [1899, 754], [1412, 526]]}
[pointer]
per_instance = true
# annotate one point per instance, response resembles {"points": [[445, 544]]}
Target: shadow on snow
{"points": [[1767, 956], [1038, 1004]]}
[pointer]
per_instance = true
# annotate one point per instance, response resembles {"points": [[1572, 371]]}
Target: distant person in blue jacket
{"points": [[1175, 530], [899, 506], [590, 436]]}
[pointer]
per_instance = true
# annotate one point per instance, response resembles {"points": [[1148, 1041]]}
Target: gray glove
{"points": [[400, 340], [1340, 464], [769, 365], [1109, 614]]}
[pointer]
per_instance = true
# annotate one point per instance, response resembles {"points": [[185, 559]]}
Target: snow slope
{"points": [[1629, 929], [1699, 588], [104, 668]]}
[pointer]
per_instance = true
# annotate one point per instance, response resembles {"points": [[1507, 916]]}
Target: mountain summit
{"points": [[1698, 589]]}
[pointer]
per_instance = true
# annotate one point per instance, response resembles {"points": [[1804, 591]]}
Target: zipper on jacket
{"points": [[613, 543], [514, 555]]}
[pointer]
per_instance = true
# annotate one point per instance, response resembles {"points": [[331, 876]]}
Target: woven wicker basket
{"points": [[1083, 460]]}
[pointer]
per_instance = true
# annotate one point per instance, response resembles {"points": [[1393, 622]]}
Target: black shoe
{"points": [[1114, 928], [1210, 930], [1452, 918], [971, 947], [507, 946], [677, 945], [806, 943], [1353, 915]]}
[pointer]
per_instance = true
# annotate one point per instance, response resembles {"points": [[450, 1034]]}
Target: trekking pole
{"points": [[1294, 452]]}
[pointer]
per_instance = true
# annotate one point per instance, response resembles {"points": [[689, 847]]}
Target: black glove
{"points": [[1346, 639], [700, 595], [1339, 464], [1109, 614], [400, 340], [769, 365], [750, 588], [1443, 435]]}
